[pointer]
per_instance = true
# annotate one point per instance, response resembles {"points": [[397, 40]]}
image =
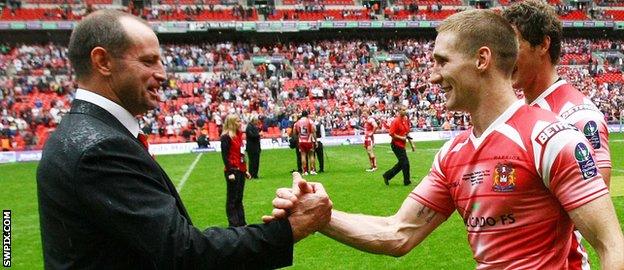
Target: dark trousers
{"points": [[402, 165], [234, 201], [298, 159], [319, 156], [254, 163]]}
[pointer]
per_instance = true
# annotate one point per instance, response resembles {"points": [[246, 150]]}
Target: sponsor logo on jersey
{"points": [[591, 133], [577, 108], [585, 161], [504, 178], [551, 130], [482, 222]]}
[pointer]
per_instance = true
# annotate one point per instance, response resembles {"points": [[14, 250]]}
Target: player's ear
{"points": [[484, 58], [545, 45]]}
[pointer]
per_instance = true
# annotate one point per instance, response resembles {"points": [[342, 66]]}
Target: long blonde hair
{"points": [[231, 125]]}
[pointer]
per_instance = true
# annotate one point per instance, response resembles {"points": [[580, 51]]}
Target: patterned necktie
{"points": [[143, 139]]}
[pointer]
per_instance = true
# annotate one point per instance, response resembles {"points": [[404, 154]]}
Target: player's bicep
{"points": [[597, 222]]}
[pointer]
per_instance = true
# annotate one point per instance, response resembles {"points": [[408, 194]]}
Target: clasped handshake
{"points": [[306, 206]]}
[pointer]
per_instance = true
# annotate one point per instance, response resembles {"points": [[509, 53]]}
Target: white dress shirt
{"points": [[123, 115]]}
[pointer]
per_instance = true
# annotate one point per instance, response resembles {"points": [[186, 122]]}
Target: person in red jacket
{"points": [[399, 131], [235, 169]]}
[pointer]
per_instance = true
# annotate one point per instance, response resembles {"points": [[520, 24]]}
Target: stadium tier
{"points": [[335, 79], [297, 10], [243, 71]]}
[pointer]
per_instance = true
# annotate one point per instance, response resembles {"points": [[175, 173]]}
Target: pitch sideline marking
{"points": [[188, 172]]}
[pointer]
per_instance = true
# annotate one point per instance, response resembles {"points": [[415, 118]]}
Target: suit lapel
{"points": [[88, 108]]}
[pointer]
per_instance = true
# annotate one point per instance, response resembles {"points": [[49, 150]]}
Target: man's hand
{"points": [[285, 198], [247, 175], [307, 207]]}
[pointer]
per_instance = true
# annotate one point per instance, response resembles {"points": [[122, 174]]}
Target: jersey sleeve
{"points": [[434, 190], [568, 168], [597, 133]]}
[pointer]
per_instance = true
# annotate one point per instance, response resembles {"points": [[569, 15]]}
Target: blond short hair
{"points": [[478, 28]]}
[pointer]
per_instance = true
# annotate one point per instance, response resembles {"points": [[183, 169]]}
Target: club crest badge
{"points": [[585, 161], [504, 178], [591, 133]]}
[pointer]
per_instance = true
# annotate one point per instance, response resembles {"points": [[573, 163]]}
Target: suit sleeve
{"points": [[226, 143], [128, 197]]}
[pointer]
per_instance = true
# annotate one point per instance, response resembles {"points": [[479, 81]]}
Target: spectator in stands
{"points": [[253, 135], [202, 139], [96, 170], [5, 143], [341, 77]]}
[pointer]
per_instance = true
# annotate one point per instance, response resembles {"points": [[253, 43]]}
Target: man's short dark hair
{"points": [[304, 113], [535, 20], [100, 29]]}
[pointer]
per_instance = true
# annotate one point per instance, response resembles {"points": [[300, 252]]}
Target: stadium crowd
{"points": [[333, 79], [311, 10]]}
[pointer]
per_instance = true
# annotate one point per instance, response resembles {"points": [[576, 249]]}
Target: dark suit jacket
{"points": [[104, 203], [252, 133]]}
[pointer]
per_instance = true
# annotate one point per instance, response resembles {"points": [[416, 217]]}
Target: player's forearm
{"points": [[611, 260], [609, 245], [597, 223], [372, 234]]}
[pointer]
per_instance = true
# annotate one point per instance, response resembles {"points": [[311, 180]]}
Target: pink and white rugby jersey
{"points": [[369, 127], [575, 108], [513, 186], [304, 128]]}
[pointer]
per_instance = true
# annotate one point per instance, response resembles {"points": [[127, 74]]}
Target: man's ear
{"points": [[484, 58], [545, 45], [101, 61]]}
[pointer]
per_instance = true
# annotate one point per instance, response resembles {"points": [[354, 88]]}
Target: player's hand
{"points": [[247, 175], [286, 198], [312, 211]]}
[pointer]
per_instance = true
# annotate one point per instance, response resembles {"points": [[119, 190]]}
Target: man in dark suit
{"points": [[104, 202], [252, 146]]}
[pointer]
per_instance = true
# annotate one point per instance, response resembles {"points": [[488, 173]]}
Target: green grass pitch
{"points": [[350, 188]]}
